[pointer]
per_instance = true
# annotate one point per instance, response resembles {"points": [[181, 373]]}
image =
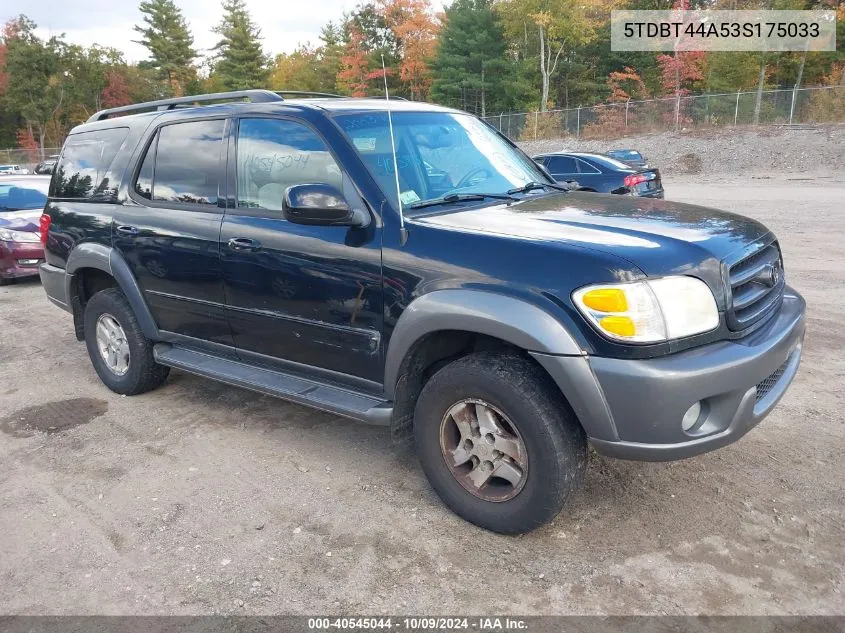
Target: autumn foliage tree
{"points": [[355, 71], [116, 92], [612, 119], [415, 28]]}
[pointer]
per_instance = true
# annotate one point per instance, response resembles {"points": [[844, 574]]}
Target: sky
{"points": [[283, 23]]}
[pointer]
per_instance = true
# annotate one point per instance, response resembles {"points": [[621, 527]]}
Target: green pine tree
{"points": [[241, 63], [471, 69], [165, 34]]}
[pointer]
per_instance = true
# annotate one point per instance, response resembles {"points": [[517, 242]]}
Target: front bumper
{"points": [[632, 409], [20, 259]]}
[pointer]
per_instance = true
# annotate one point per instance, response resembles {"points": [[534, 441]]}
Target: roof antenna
{"points": [[403, 232]]}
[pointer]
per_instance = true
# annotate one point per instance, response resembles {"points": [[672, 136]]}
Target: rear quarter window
{"points": [[83, 170]]}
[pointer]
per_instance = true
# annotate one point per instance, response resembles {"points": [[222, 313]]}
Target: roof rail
{"points": [[254, 96], [306, 93]]}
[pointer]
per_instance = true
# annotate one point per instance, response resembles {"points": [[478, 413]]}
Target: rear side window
{"points": [[84, 167], [586, 168], [182, 164], [559, 165]]}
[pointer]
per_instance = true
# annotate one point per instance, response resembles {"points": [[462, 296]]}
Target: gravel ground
{"points": [[200, 498], [766, 150]]}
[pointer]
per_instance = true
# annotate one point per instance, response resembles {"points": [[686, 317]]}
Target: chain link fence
{"points": [[25, 158], [613, 120]]}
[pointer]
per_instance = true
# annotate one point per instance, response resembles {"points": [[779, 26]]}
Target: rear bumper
{"points": [[54, 280], [632, 409], [20, 259], [655, 193]]}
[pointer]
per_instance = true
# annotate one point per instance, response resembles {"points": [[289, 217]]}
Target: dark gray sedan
{"points": [[602, 174]]}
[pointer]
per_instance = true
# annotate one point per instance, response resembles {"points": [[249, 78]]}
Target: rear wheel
{"points": [[498, 442], [122, 356]]}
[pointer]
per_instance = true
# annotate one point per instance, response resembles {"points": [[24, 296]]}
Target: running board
{"points": [[305, 391]]}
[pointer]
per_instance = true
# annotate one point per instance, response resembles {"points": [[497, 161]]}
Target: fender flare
{"points": [[516, 321], [109, 260]]}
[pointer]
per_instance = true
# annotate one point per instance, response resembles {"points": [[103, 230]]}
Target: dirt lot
{"points": [[200, 498]]}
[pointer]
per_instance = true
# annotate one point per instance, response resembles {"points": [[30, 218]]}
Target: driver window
{"points": [[274, 154]]}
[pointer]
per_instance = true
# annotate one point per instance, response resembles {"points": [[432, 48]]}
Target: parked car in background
{"points": [[602, 174], [46, 166], [12, 170], [22, 199], [629, 156]]}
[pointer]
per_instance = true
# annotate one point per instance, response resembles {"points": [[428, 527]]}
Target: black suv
{"points": [[405, 264]]}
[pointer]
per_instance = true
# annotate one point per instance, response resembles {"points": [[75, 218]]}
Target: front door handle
{"points": [[244, 244], [128, 230]]}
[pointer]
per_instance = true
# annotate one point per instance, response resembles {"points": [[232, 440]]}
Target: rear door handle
{"points": [[244, 244], [127, 230]]}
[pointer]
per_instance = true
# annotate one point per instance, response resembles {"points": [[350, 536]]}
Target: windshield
{"points": [[438, 154], [15, 196], [623, 154]]}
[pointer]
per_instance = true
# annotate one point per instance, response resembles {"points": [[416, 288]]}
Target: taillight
{"points": [[634, 179], [44, 226]]}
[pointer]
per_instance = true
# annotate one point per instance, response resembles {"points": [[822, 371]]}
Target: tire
{"points": [[555, 447], [6, 281], [142, 373]]}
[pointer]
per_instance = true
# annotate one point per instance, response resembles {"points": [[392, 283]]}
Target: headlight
{"points": [[649, 311], [7, 235]]}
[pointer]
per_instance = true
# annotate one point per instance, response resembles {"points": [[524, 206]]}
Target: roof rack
{"points": [[254, 96], [306, 93]]}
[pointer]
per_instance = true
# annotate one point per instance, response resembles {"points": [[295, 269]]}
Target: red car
{"points": [[22, 199]]}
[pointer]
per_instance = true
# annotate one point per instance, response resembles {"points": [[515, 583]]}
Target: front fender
{"points": [[515, 321]]}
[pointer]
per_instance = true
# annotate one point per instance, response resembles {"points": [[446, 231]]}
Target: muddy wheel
{"points": [[498, 442]]}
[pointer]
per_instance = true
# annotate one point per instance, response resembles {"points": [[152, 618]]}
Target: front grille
{"points": [[766, 385], [756, 287]]}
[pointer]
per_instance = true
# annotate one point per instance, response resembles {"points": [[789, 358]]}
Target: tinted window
{"points": [[274, 154], [562, 165], [144, 182], [17, 195], [586, 168], [83, 169], [608, 163], [186, 164]]}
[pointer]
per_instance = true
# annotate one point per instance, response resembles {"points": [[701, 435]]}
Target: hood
{"points": [[657, 236], [25, 220], [650, 233]]}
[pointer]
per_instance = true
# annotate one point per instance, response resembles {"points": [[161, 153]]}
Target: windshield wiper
{"points": [[452, 198], [534, 185]]}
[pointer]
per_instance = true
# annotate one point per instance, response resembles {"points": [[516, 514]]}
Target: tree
{"points": [[355, 73], [415, 29], [165, 34], [331, 50], [558, 24], [241, 63], [36, 88], [296, 71], [116, 92], [374, 36], [471, 58]]}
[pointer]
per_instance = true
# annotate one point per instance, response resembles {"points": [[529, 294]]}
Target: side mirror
{"points": [[319, 204]]}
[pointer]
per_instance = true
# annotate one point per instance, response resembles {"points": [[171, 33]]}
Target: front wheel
{"points": [[498, 442], [122, 356]]}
